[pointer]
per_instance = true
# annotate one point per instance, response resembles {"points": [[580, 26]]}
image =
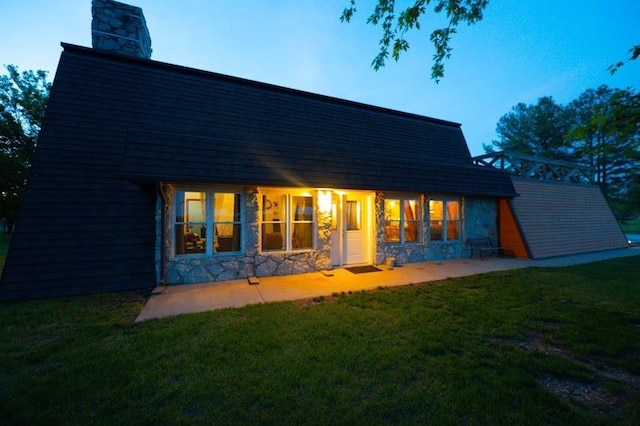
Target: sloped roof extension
{"points": [[559, 218]]}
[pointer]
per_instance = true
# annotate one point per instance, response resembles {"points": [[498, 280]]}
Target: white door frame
{"points": [[341, 237]]}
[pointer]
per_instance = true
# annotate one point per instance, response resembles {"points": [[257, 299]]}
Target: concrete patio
{"points": [[174, 300]]}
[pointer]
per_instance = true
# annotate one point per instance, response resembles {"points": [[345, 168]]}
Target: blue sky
{"points": [[522, 50]]}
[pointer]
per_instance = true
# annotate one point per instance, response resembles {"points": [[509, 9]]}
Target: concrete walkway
{"points": [[180, 299]]}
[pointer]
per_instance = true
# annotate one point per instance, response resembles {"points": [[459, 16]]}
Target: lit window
{"points": [[402, 220], [353, 215], [207, 222], [444, 218], [287, 222]]}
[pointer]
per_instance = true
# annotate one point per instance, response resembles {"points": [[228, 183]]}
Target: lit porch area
{"points": [[181, 299]]}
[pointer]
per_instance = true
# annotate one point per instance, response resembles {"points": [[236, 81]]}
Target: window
{"points": [[287, 222], [402, 220], [444, 217], [353, 215], [207, 222]]}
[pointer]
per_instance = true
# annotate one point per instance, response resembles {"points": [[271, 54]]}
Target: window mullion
{"points": [[209, 221], [445, 214], [402, 219], [288, 225]]}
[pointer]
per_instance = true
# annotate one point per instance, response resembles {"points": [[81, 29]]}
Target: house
{"points": [[150, 173]]}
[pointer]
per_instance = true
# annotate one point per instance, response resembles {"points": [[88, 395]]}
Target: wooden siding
{"points": [[559, 219], [115, 126]]}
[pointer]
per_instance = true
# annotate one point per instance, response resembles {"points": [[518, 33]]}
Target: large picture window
{"points": [[444, 218], [402, 220], [207, 222], [287, 222]]}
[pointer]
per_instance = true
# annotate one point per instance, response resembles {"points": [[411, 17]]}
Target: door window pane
{"points": [[353, 215]]}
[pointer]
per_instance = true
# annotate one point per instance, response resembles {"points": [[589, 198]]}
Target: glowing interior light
{"points": [[324, 201]]}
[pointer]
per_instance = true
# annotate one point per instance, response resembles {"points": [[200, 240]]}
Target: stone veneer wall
{"points": [[479, 220], [251, 263], [119, 28]]}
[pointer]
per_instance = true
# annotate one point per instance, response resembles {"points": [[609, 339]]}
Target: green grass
{"points": [[4, 248], [630, 226], [535, 346]]}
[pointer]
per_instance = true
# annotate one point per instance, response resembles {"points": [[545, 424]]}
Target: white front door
{"points": [[351, 238]]}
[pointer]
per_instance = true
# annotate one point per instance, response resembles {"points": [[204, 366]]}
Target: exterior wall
{"points": [[402, 253], [510, 236], [479, 219], [251, 263]]}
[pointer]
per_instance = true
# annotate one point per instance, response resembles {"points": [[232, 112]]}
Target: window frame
{"points": [[403, 221], [209, 222], [289, 221], [445, 220]]}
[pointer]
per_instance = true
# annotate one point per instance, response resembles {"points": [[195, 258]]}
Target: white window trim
{"points": [[445, 200], [420, 216], [288, 222], [209, 223]]}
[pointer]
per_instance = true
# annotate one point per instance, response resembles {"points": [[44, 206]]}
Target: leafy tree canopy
{"points": [[23, 100], [535, 130], [600, 128], [397, 21]]}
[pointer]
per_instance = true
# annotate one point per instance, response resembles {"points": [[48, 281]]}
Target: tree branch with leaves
{"points": [[396, 24], [23, 100], [634, 53]]}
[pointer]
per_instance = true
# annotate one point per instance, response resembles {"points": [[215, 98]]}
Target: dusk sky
{"points": [[521, 50]]}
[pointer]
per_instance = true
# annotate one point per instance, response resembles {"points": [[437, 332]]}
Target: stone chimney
{"points": [[119, 28]]}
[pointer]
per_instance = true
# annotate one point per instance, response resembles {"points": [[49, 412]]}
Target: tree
{"points": [[600, 128], [593, 139], [537, 130], [634, 53], [395, 25], [23, 99], [607, 137]]}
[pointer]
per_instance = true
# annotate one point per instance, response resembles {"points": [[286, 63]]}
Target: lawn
{"points": [[4, 248], [534, 346], [630, 226]]}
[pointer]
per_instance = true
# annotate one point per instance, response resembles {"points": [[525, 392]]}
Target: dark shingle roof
{"points": [[116, 125]]}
